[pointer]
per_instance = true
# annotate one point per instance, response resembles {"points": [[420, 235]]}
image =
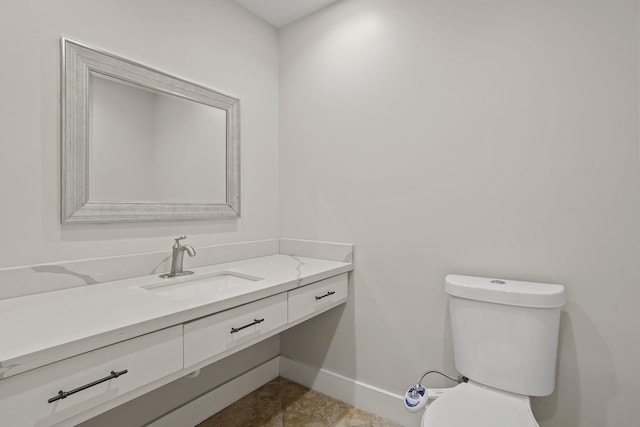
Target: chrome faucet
{"points": [[177, 257]]}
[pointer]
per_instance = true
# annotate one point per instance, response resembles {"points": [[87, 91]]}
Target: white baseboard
{"points": [[205, 406], [356, 393]]}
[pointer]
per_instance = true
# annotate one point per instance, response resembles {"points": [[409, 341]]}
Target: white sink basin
{"points": [[200, 286]]}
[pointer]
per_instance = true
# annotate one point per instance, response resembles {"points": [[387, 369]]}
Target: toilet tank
{"points": [[505, 332]]}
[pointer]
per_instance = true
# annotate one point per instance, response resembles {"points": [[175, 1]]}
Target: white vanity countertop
{"points": [[39, 329]]}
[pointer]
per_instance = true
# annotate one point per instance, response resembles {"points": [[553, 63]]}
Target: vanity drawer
{"points": [[317, 297], [212, 335], [24, 397]]}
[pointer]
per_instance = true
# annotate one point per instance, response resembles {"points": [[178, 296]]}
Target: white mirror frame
{"points": [[78, 61]]}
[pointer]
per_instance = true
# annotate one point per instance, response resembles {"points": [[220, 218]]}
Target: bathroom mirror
{"points": [[141, 145]]}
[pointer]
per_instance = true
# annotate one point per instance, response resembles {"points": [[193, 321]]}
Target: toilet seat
{"points": [[473, 404]]}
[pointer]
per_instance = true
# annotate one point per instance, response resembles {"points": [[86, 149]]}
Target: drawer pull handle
{"points": [[65, 394], [328, 294], [255, 322]]}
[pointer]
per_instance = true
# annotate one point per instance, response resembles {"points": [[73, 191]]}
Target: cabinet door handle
{"points": [[255, 322], [64, 394], [328, 294]]}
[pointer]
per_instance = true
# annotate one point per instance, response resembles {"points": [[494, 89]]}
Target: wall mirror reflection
{"points": [[141, 145]]}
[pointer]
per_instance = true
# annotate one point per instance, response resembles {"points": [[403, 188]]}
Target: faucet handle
{"points": [[177, 239]]}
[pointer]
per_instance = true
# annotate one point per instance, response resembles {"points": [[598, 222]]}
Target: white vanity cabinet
{"points": [[24, 398], [313, 299], [219, 333], [212, 335], [150, 343]]}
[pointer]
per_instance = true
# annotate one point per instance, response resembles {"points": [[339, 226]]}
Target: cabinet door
{"points": [[212, 335], [317, 297], [33, 398]]}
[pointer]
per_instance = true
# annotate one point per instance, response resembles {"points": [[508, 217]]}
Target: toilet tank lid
{"points": [[507, 292]]}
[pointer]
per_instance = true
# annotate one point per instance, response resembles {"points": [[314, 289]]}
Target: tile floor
{"points": [[282, 403]]}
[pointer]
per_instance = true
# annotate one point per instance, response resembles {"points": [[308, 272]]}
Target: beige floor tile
{"points": [[283, 403]]}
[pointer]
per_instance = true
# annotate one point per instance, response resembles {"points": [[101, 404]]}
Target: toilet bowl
{"points": [[472, 404], [505, 340]]}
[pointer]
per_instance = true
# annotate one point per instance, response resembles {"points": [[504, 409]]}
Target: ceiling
{"points": [[281, 12]]}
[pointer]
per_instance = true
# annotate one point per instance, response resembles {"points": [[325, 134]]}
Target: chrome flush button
{"points": [[498, 282]]}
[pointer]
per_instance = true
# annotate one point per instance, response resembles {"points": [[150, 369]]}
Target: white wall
{"points": [[214, 43], [492, 138]]}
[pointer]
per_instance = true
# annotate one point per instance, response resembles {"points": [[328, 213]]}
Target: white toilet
{"points": [[505, 340]]}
